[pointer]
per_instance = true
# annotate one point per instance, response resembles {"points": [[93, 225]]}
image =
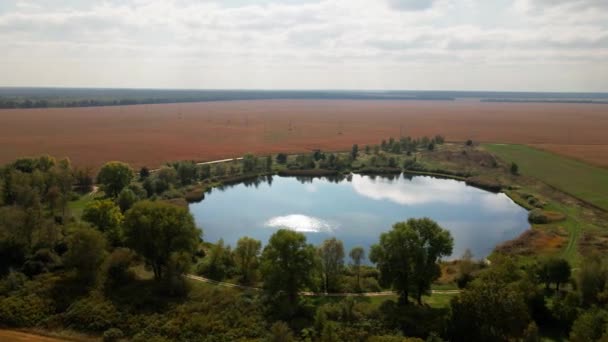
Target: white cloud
{"points": [[411, 5], [421, 44]]}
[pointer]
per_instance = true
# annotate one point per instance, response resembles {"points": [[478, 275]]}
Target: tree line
{"points": [[67, 265]]}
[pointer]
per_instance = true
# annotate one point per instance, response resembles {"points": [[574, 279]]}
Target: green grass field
{"points": [[586, 182]]}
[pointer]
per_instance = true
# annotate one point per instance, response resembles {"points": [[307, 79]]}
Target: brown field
{"points": [[152, 134]]}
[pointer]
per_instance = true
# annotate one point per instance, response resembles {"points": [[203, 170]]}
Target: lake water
{"points": [[357, 209]]}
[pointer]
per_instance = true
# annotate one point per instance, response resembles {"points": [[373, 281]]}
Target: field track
{"points": [[153, 134], [18, 336], [312, 294]]}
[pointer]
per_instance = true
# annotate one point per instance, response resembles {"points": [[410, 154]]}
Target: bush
{"points": [[537, 216], [112, 335], [24, 311], [91, 315]]}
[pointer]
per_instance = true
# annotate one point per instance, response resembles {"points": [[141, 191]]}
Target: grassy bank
{"points": [[586, 182]]}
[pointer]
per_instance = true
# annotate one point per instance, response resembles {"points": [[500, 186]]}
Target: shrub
{"points": [[23, 311], [537, 216], [112, 335], [91, 315]]}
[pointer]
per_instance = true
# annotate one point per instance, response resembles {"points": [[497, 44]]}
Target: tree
{"points": [[126, 199], [407, 256], [186, 172], [589, 326], [354, 152], [107, 217], [357, 255], [469, 142], [280, 332], [219, 263], [287, 264], [432, 243], [155, 230], [593, 280], [166, 176], [281, 158], [268, 163], [491, 308], [554, 270], [332, 263], [84, 179], [114, 176], [514, 168], [247, 253], [86, 251], [465, 269], [144, 173], [249, 163]]}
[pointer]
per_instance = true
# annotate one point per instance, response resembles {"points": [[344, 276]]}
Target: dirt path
{"points": [[18, 336], [313, 294]]}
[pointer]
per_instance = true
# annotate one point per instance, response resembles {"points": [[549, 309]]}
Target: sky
{"points": [[517, 45]]}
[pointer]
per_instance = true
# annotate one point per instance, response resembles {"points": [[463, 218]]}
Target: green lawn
{"points": [[584, 181]]}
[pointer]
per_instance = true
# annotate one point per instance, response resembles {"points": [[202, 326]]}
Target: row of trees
{"points": [[407, 258]]}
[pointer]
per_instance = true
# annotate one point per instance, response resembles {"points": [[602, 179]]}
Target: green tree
{"points": [[407, 256], [114, 176], [514, 168], [554, 270], [86, 251], [249, 163], [589, 326], [491, 308], [144, 173], [331, 253], [247, 253], [280, 332], [106, 216], [219, 263], [186, 172], [357, 255], [167, 176], [593, 280], [432, 243], [281, 158], [155, 230], [126, 199], [287, 264], [268, 163], [354, 152]]}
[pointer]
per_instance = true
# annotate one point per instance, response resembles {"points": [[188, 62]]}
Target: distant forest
{"points": [[93, 97]]}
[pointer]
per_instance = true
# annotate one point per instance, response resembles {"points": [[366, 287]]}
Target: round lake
{"points": [[357, 209]]}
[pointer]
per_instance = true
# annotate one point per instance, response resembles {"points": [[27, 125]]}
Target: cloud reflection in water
{"points": [[300, 223], [420, 190]]}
